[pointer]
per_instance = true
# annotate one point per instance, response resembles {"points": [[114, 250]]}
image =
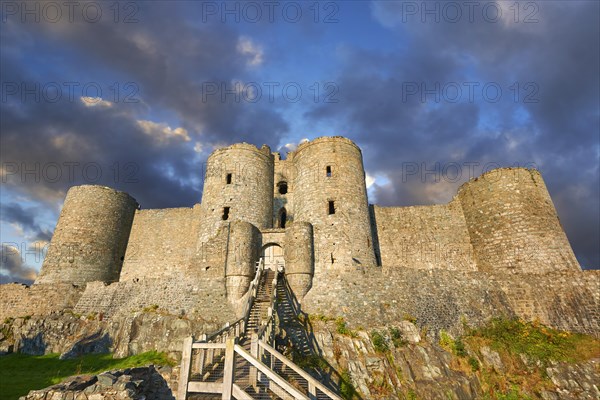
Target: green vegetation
{"points": [[396, 336], [411, 395], [347, 390], [151, 308], [537, 341], [409, 318], [25, 372], [512, 338], [474, 363], [379, 342], [514, 393], [312, 361], [455, 346], [342, 328], [319, 317]]}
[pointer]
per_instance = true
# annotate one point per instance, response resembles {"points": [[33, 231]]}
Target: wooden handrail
{"points": [[270, 374], [310, 379], [247, 307]]}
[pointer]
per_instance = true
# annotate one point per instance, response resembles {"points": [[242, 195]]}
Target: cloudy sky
{"points": [[135, 95]]}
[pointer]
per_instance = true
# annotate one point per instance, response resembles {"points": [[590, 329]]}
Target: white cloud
{"points": [[162, 131], [370, 180], [13, 267], [95, 102], [294, 146], [251, 50]]}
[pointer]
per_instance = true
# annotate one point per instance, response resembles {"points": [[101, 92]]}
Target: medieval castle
{"points": [[498, 245]]}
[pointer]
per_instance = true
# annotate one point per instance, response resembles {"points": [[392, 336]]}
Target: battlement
{"points": [[264, 149], [324, 139]]}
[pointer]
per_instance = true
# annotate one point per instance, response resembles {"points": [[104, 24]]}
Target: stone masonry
{"points": [[497, 248]]}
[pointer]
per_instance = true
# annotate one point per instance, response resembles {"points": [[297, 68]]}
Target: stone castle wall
{"points": [[203, 297], [513, 223], [440, 299], [424, 237], [18, 300], [162, 244], [438, 262], [91, 236]]}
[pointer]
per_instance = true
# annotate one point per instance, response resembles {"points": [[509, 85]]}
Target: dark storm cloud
{"points": [[12, 267], [171, 66], [558, 133], [13, 213]]}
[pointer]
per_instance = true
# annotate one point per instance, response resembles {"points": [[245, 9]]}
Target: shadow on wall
{"points": [[95, 343], [36, 346], [298, 342]]}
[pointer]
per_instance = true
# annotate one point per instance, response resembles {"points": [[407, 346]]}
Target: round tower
{"points": [[330, 193], [242, 253], [238, 186], [91, 236], [513, 224], [299, 262]]}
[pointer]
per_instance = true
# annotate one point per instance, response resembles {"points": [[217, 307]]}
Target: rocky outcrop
{"points": [[72, 335], [132, 383], [410, 365]]}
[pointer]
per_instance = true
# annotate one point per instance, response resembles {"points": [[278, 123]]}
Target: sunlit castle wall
{"points": [[238, 186], [330, 193], [513, 224], [91, 236]]}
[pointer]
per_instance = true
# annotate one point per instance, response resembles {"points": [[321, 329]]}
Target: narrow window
{"points": [[282, 187], [282, 218], [225, 213], [331, 207], [228, 179], [328, 171]]}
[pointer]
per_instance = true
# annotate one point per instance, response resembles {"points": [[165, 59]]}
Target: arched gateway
{"points": [[272, 254]]}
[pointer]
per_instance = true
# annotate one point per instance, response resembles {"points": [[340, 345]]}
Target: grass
{"points": [[20, 373], [536, 341], [513, 337], [379, 342]]}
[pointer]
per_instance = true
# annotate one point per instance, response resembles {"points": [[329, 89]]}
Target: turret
{"points": [[299, 257], [330, 193], [238, 186], [91, 236], [513, 224], [242, 253]]}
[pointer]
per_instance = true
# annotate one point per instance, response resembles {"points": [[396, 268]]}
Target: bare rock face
{"points": [[579, 381], [417, 367], [72, 335], [132, 383]]}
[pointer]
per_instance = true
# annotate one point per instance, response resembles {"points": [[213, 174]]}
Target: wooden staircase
{"points": [[238, 361]]}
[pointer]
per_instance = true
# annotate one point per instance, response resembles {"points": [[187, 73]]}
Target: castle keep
{"points": [[497, 247]]}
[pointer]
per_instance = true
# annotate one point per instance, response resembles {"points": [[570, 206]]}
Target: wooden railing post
{"points": [[253, 373], [184, 372], [312, 391], [228, 372], [201, 356]]}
